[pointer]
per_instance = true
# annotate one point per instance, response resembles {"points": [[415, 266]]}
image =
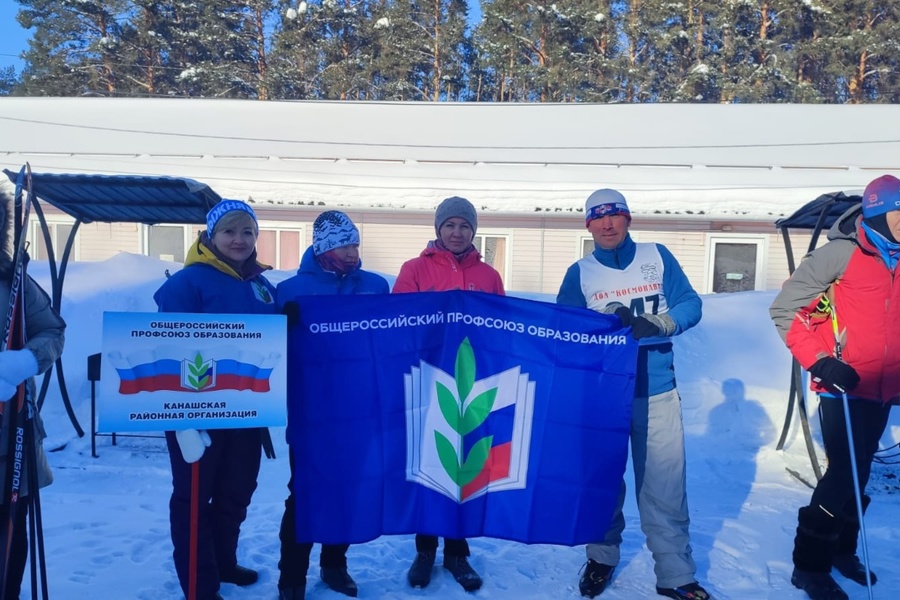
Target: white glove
{"points": [[15, 367], [193, 443]]}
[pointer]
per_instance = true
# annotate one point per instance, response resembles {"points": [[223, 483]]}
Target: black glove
{"points": [[625, 315], [834, 375], [292, 311], [642, 327]]}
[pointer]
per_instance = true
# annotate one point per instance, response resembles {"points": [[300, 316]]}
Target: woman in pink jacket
{"points": [[449, 262]]}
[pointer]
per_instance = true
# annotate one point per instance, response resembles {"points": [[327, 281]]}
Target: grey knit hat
{"points": [[454, 206]]}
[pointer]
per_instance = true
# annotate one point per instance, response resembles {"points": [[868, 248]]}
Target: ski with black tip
{"points": [[15, 416]]}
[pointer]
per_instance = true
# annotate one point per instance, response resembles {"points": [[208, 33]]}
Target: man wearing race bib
{"points": [[645, 287]]}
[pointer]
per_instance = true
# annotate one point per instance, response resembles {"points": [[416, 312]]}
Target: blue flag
{"points": [[457, 414]]}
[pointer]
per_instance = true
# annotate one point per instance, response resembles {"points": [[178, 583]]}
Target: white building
{"points": [[706, 180]]}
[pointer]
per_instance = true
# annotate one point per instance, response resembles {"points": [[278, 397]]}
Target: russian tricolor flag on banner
{"points": [[139, 372], [457, 414]]}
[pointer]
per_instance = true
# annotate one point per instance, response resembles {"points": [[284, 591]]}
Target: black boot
{"points": [[462, 572], [818, 586], [240, 576], [292, 593], [338, 579], [420, 572], [814, 547], [595, 578], [845, 559]]}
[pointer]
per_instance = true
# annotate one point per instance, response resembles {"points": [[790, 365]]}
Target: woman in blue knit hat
{"points": [[331, 266], [220, 275]]}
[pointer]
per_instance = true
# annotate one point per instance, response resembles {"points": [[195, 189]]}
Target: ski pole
{"points": [[856, 483], [35, 519], [194, 535]]}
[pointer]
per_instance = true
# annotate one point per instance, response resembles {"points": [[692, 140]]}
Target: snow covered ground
{"points": [[106, 518]]}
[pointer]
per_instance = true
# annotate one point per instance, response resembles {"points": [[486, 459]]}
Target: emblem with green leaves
{"points": [[464, 420], [199, 373]]}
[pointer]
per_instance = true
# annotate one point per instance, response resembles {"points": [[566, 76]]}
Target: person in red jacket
{"points": [[449, 262], [849, 280]]}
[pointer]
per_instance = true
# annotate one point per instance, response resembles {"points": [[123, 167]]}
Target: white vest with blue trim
{"points": [[638, 286]]}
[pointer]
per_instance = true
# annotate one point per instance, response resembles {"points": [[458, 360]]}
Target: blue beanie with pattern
{"points": [[333, 229]]}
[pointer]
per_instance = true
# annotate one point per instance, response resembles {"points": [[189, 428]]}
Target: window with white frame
{"points": [[587, 246], [59, 236], [735, 263], [494, 250], [167, 242], [280, 244]]}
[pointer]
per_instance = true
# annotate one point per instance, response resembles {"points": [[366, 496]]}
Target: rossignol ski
{"points": [[16, 423]]}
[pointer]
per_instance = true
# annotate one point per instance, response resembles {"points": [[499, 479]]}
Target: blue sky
{"points": [[14, 39]]}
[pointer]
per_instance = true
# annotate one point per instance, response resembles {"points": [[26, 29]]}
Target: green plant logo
{"points": [[199, 372], [464, 420]]}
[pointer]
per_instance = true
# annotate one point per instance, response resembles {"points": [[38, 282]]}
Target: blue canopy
{"points": [[821, 213], [109, 199], [124, 198]]}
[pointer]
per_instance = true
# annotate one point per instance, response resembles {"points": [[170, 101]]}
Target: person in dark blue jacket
{"points": [[220, 275], [646, 288], [330, 266]]}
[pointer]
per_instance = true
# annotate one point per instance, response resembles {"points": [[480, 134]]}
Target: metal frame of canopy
{"points": [[88, 198], [818, 215]]}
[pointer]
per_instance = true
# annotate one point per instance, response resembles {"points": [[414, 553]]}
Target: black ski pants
{"points": [[294, 562], [228, 473], [452, 547], [868, 419]]}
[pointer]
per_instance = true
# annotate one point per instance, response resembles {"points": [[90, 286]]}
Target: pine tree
{"points": [[442, 27], [74, 47], [863, 53], [345, 49], [760, 59], [536, 50], [258, 13], [144, 65], [542, 51], [686, 50], [398, 55], [206, 42], [322, 49], [598, 57], [567, 62], [805, 43], [8, 80], [294, 59]]}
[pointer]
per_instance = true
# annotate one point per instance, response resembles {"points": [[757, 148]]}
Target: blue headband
{"points": [[225, 206], [607, 209]]}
